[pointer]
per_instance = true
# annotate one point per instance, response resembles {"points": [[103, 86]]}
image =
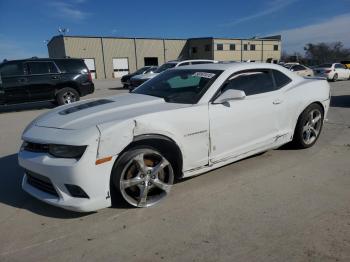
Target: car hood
{"points": [[93, 112], [145, 76]]}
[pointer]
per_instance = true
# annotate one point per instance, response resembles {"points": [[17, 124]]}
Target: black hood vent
{"points": [[85, 106]]}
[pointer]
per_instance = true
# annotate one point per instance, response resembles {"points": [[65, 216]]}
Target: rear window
{"points": [[280, 78], [325, 65], [11, 69], [71, 66]]}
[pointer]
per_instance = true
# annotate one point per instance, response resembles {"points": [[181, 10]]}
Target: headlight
{"points": [[64, 151]]}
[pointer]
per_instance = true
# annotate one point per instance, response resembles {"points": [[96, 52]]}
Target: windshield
{"points": [[151, 69], [185, 86], [165, 67], [325, 65], [141, 70], [288, 66]]}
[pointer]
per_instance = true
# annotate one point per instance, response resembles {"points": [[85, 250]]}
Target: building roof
{"points": [[275, 37]]}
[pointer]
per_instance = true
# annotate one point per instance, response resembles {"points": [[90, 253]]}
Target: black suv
{"points": [[60, 80]]}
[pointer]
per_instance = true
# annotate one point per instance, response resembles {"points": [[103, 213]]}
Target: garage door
{"points": [[120, 67], [90, 63]]}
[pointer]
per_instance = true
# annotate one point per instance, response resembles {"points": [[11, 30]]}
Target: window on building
{"points": [[194, 50], [207, 48], [275, 47], [245, 47], [232, 47], [220, 47], [151, 61], [252, 47]]}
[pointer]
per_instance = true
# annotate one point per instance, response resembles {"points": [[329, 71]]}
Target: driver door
{"points": [[240, 126]]}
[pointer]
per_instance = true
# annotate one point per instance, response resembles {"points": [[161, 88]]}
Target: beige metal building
{"points": [[112, 57]]}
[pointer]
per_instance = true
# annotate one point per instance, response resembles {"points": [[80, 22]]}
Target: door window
{"points": [[251, 82], [11, 69], [38, 68]]}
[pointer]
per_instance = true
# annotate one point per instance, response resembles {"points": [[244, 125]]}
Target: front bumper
{"points": [[93, 179]]}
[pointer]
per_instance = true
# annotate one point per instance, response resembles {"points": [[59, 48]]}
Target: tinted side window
{"points": [[41, 68], [71, 66], [11, 69], [201, 62], [252, 82], [184, 64], [280, 79]]}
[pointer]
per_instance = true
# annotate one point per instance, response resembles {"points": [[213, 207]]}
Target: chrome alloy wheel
{"points": [[312, 126], [146, 179], [69, 97]]}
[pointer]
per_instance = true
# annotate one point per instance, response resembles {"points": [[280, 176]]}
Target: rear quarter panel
{"points": [[305, 92]]}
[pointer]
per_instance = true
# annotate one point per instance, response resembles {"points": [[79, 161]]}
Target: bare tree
{"points": [[326, 52]]}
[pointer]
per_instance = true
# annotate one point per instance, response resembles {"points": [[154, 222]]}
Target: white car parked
{"points": [[140, 79], [299, 69], [184, 122], [333, 72]]}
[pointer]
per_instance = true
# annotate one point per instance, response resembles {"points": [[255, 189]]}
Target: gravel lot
{"points": [[284, 205]]}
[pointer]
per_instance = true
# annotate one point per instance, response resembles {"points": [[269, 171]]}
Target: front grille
{"points": [[41, 182], [35, 147]]}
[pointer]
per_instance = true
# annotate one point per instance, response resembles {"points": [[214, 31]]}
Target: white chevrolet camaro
{"points": [[184, 122]]}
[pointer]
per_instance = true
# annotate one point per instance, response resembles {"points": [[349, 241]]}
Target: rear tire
{"points": [[309, 127], [335, 78], [67, 95]]}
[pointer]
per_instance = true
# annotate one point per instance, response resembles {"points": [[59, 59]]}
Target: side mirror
{"points": [[230, 94]]}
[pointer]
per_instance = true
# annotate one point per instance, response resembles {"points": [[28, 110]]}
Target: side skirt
{"points": [[203, 169]]}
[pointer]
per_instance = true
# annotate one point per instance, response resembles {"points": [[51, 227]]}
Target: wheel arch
{"points": [[167, 146], [64, 85], [304, 108]]}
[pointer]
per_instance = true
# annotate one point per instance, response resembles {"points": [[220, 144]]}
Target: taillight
{"points": [[328, 71], [89, 76]]}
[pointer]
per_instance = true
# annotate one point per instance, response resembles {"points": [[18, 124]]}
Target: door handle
{"points": [[21, 80], [55, 77], [277, 101]]}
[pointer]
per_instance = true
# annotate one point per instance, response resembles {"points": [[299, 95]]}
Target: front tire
{"points": [[67, 96], [142, 177], [308, 127]]}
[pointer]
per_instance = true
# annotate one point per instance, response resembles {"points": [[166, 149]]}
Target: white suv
{"points": [[140, 79]]}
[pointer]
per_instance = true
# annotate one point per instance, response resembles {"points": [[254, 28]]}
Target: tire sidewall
{"points": [[118, 169], [298, 134], [59, 96], [335, 77]]}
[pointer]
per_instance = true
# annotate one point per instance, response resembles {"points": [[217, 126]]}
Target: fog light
{"points": [[76, 191]]}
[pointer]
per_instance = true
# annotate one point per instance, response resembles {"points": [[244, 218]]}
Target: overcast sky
{"points": [[26, 24]]}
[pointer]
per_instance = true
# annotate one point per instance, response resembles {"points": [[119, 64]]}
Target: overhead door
{"points": [[90, 63], [120, 67]]}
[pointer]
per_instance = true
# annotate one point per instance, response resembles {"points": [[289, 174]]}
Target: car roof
{"points": [[34, 59], [190, 60], [233, 66]]}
